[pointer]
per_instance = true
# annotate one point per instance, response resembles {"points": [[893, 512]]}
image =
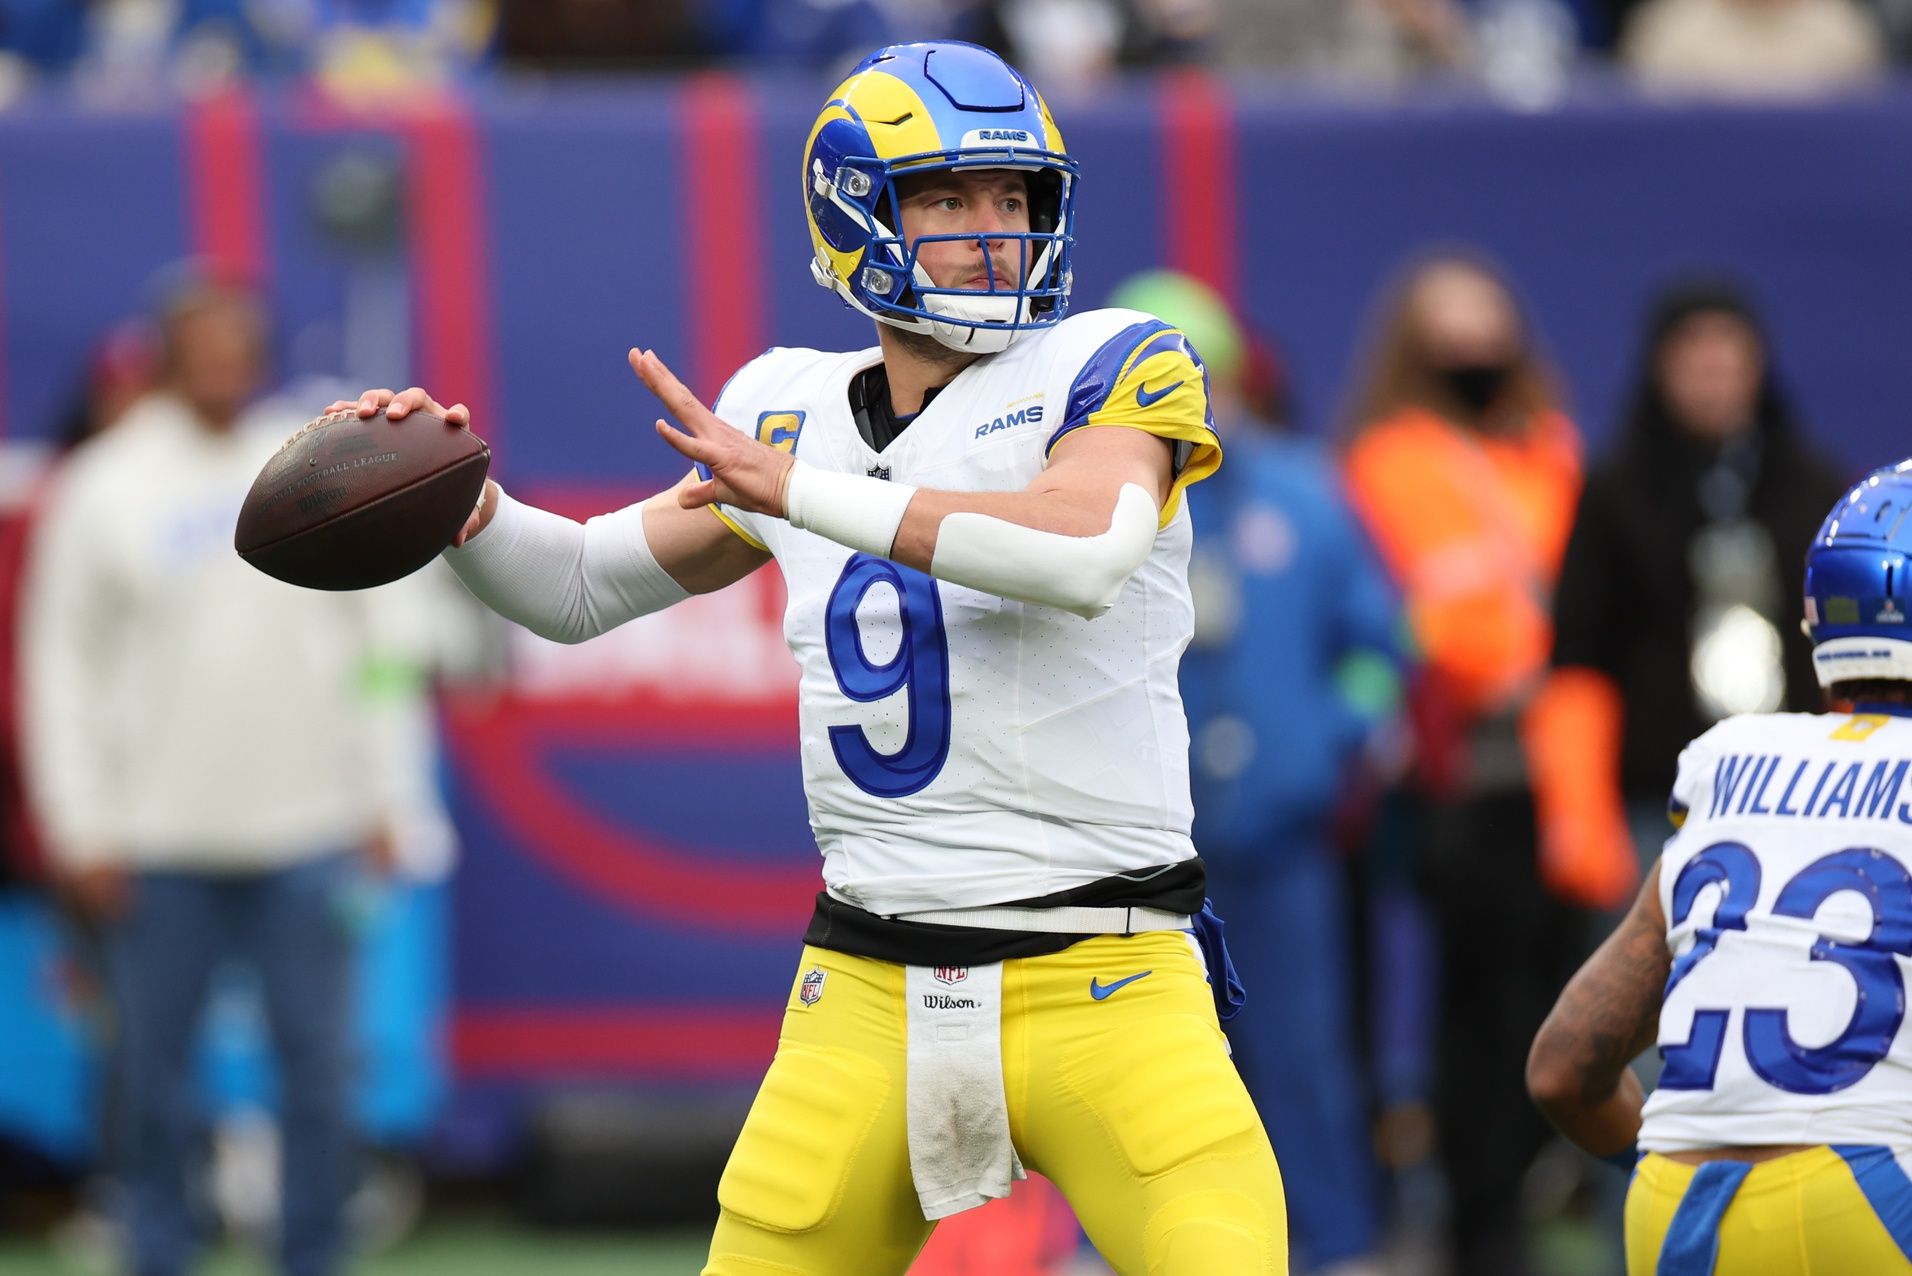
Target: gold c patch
{"points": [[780, 430]]}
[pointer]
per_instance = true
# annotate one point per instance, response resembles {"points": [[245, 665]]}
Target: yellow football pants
{"points": [[1820, 1212], [1128, 1103]]}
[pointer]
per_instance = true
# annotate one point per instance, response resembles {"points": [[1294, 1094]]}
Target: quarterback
{"points": [[1767, 956], [981, 527]]}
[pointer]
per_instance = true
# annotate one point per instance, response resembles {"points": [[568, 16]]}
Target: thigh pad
{"points": [[810, 1119]]}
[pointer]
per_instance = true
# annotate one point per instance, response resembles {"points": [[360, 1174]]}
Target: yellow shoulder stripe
{"points": [[1165, 394], [736, 527]]}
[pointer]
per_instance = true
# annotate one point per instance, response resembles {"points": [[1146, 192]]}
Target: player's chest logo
{"points": [[810, 991], [951, 975], [1024, 411]]}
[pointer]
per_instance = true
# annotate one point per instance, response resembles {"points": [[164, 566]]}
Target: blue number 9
{"points": [[1872, 963], [919, 670]]}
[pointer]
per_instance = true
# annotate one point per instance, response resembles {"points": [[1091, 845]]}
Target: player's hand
{"points": [[744, 472], [397, 406], [380, 854], [100, 893], [481, 513]]}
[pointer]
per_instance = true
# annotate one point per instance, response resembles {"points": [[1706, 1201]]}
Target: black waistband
{"points": [[845, 928]]}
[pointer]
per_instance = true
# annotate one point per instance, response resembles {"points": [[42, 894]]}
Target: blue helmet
{"points": [[920, 108], [1857, 595]]}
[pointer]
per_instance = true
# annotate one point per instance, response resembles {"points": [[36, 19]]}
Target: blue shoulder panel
{"points": [[1092, 385]]}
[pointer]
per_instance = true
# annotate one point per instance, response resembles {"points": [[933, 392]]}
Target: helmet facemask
{"points": [[892, 286]]}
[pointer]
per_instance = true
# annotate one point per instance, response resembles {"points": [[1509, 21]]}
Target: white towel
{"points": [[960, 1153]]}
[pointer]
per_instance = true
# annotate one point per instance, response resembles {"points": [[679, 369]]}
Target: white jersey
{"points": [[1788, 898], [961, 749]]}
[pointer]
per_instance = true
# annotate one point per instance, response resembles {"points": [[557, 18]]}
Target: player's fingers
{"points": [[338, 405], [698, 495], [470, 528], [372, 402], [413, 399], [695, 448], [458, 414], [675, 395]]}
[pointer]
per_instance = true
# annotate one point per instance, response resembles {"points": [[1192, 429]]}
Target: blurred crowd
{"points": [[1443, 665], [1526, 50]]}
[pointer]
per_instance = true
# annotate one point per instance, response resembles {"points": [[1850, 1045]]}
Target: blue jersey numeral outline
{"points": [[1773, 1054], [919, 670]]}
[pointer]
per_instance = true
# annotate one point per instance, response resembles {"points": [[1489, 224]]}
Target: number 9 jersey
{"points": [[1789, 915], [961, 749]]}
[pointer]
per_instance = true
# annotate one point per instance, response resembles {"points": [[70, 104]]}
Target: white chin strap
{"points": [[968, 311], [1856, 659]]}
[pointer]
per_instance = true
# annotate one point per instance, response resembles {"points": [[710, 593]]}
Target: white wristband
{"points": [[850, 509]]}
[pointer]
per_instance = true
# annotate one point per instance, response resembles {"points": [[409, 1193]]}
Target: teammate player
{"points": [[981, 526], [1767, 956]]}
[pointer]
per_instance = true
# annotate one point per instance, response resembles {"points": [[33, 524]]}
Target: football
{"points": [[349, 503]]}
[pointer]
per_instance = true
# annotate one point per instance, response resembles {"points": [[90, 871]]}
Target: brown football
{"points": [[349, 503]]}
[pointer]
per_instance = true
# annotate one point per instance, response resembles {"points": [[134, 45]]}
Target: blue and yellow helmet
{"points": [[920, 108], [1858, 598]]}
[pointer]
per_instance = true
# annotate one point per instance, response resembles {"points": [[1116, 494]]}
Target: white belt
{"points": [[1060, 921]]}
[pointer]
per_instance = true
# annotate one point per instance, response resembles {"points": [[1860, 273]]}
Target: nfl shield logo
{"points": [[950, 974], [812, 986]]}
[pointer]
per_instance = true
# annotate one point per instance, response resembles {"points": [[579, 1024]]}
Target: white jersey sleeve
{"points": [[1788, 901]]}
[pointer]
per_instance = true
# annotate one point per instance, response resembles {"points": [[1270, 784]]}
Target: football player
{"points": [[1767, 957], [981, 526]]}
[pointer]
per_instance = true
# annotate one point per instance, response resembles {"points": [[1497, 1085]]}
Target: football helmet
{"points": [[1857, 596], [921, 108]]}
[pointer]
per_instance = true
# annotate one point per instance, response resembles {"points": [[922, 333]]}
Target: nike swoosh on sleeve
{"points": [[1145, 396]]}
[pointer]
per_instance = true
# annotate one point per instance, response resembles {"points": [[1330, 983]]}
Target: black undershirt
{"points": [[870, 407]]}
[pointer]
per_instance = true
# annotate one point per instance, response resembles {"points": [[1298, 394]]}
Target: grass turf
{"points": [[447, 1248]]}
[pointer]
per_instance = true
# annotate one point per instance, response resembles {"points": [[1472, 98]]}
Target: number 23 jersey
{"points": [[962, 749], [1789, 912]]}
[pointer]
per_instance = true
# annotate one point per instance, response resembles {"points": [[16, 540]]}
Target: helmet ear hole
{"points": [[1045, 201]]}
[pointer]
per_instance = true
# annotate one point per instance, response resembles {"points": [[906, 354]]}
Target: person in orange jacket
{"points": [[1465, 470]]}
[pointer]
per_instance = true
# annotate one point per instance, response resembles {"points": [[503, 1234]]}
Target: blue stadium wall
{"points": [[638, 867]]}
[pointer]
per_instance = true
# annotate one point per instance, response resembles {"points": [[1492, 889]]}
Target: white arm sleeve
{"points": [[1080, 574], [562, 580]]}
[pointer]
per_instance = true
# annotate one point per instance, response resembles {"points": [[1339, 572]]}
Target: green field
{"points": [[439, 1249]]}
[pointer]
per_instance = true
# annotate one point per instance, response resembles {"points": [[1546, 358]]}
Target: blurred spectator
{"points": [[47, 35], [142, 47], [825, 35], [1679, 599], [119, 373], [209, 767], [1752, 46], [1895, 23], [601, 34], [1465, 470], [1074, 41], [1296, 657], [1368, 40]]}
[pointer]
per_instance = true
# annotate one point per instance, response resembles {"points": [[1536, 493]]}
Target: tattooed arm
{"points": [[1609, 1014]]}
